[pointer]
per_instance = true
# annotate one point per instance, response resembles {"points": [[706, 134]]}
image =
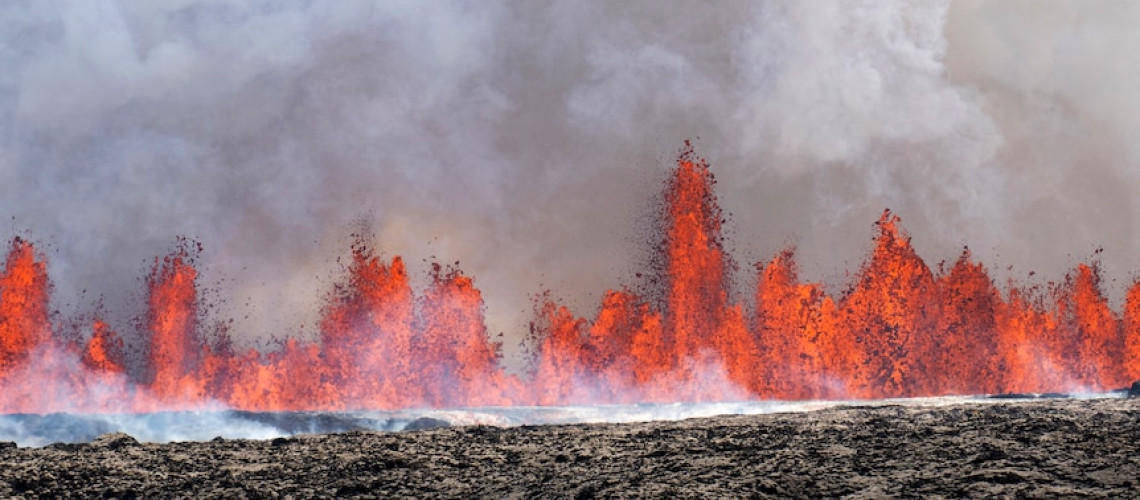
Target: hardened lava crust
{"points": [[1047, 448]]}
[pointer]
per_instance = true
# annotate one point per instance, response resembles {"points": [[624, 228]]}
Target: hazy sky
{"points": [[526, 140]]}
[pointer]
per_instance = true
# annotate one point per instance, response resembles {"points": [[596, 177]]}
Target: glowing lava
{"points": [[901, 329]]}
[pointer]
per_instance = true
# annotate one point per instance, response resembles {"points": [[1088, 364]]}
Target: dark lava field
{"points": [[1049, 448]]}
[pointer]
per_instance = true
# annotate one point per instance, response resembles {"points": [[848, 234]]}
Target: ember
{"points": [[900, 330]]}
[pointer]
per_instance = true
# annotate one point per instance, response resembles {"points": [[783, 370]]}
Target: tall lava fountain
{"points": [[899, 329]]}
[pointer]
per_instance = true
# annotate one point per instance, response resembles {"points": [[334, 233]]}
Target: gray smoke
{"points": [[525, 139]]}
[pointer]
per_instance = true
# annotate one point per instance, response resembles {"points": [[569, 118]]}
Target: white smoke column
{"points": [[524, 139], [849, 107], [1059, 79]]}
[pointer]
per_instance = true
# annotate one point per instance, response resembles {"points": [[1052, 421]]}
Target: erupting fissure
{"points": [[901, 329]]}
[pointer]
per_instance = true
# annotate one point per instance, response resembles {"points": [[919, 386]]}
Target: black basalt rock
{"points": [[1134, 391], [424, 423], [114, 441]]}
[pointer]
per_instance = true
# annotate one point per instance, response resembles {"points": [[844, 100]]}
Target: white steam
{"points": [[524, 139]]}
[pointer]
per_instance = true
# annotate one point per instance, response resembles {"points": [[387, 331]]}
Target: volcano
{"points": [[900, 329]]}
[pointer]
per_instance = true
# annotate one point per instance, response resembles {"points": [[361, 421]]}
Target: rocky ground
{"points": [[1036, 449]]}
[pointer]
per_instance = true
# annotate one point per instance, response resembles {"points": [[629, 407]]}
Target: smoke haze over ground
{"points": [[525, 141]]}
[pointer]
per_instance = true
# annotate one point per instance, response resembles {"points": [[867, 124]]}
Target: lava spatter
{"points": [[900, 329]]}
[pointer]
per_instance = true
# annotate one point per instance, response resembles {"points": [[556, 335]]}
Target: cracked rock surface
{"points": [[1034, 449]]}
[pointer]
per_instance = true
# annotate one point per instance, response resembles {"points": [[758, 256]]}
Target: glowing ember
{"points": [[900, 330]]}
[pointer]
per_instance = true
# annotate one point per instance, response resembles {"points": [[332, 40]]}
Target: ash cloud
{"points": [[525, 140]]}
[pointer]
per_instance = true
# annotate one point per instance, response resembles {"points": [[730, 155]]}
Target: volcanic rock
{"points": [[425, 423], [1134, 391], [1041, 448], [114, 441]]}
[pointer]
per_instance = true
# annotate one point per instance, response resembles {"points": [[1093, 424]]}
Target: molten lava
{"points": [[24, 291], [901, 329]]}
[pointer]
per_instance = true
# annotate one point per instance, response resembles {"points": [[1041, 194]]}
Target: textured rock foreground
{"points": [[1036, 449]]}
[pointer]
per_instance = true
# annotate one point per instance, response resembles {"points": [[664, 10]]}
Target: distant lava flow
{"points": [[899, 330]]}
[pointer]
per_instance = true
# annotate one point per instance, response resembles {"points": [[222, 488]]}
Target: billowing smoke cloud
{"points": [[525, 139]]}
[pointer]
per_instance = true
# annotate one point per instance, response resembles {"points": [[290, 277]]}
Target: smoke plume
{"points": [[525, 139]]}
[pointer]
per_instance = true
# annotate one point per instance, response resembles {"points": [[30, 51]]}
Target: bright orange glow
{"points": [[965, 354], [173, 320], [24, 291], [796, 332], [900, 329], [1131, 326]]}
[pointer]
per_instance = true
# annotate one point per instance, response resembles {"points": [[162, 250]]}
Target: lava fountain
{"points": [[901, 329]]}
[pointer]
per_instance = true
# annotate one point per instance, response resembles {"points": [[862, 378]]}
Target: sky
{"points": [[527, 141]]}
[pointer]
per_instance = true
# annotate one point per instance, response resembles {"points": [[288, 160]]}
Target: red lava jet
{"points": [[900, 330]]}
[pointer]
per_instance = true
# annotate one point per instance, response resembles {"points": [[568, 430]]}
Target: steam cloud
{"points": [[523, 139]]}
